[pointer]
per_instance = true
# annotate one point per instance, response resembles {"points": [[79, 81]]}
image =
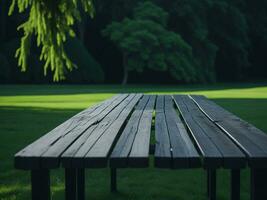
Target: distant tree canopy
{"points": [[217, 32], [217, 40], [145, 42]]}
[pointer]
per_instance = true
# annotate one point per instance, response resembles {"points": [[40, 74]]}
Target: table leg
{"points": [[40, 183], [258, 184], [113, 180], [70, 184], [151, 149], [80, 184], [208, 183], [235, 184], [212, 184]]}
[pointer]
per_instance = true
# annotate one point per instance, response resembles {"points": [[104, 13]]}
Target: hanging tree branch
{"points": [[51, 22]]}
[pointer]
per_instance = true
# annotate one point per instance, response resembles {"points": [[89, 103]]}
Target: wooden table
{"points": [[190, 132]]}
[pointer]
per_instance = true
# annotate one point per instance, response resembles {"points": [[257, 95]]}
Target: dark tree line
{"points": [[212, 40]]}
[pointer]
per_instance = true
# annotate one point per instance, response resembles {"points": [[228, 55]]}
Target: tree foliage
{"points": [[229, 31], [217, 32], [89, 70], [227, 38], [189, 18], [145, 42], [51, 22]]}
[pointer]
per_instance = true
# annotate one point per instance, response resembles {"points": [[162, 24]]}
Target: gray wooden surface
{"points": [[187, 131]]}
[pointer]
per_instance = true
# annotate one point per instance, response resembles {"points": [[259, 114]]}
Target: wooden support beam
{"points": [[208, 183], [258, 184], [70, 184], [113, 179], [80, 184], [212, 184], [40, 183], [235, 184]]}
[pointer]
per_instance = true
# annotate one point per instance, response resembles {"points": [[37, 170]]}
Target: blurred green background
{"points": [[168, 42]]}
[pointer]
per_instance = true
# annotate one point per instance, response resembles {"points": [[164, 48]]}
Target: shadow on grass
{"points": [[19, 126], [15, 90]]}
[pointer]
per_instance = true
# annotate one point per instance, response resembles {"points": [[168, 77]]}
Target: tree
{"points": [[229, 31], [51, 22], [89, 70], [145, 43], [228, 38], [256, 15], [189, 19], [3, 19]]}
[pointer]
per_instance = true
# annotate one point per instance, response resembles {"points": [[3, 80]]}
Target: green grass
{"points": [[27, 112]]}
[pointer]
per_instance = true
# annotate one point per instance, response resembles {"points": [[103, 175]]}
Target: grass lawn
{"points": [[27, 112]]}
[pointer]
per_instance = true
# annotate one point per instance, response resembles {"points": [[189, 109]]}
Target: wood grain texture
{"points": [[120, 153], [251, 140], [30, 156], [97, 156], [163, 157], [139, 155], [74, 155], [174, 147], [184, 154], [217, 149], [190, 131]]}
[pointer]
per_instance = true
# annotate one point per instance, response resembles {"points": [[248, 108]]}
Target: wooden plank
{"points": [[51, 158], [121, 151], [162, 147], [217, 149], [29, 157], [83, 144], [97, 156], [184, 154], [212, 156], [31, 153], [139, 156], [250, 139], [66, 158]]}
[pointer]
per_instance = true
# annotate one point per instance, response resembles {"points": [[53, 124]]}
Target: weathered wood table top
{"points": [[188, 132]]}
